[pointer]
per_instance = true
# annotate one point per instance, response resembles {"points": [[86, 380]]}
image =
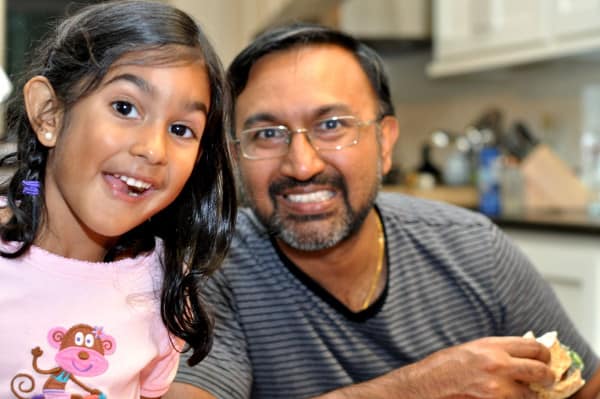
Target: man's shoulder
{"points": [[248, 225], [406, 210], [250, 240]]}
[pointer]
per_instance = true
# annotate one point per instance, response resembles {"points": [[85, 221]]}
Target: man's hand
{"points": [[487, 368], [495, 367]]}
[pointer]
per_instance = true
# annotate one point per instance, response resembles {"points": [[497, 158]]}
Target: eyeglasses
{"points": [[330, 134]]}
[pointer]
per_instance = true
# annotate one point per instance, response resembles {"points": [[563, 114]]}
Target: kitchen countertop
{"points": [[551, 221], [465, 196]]}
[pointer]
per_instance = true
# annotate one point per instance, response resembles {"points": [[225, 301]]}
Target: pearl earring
{"points": [[48, 136]]}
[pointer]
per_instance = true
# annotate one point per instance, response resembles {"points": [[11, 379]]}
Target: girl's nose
{"points": [[302, 161], [151, 145]]}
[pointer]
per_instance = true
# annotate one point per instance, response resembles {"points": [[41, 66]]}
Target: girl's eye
{"points": [[181, 131], [126, 109]]}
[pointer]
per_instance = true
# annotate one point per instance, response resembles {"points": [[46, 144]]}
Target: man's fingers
{"points": [[528, 360], [526, 348], [532, 371]]}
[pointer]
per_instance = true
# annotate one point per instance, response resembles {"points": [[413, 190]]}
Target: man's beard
{"points": [[298, 231]]}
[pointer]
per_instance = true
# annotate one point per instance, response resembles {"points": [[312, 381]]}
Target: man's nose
{"points": [[302, 161]]}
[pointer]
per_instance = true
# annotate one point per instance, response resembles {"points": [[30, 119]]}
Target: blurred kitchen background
{"points": [[498, 102]]}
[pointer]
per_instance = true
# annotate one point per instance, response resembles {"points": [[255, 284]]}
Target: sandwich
{"points": [[566, 366]]}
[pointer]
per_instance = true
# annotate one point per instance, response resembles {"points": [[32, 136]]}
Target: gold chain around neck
{"points": [[380, 256]]}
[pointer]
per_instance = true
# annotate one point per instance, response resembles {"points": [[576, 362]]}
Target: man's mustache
{"points": [[285, 183]]}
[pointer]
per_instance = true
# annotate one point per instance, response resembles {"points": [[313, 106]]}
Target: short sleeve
{"points": [[156, 378], [225, 372], [529, 303]]}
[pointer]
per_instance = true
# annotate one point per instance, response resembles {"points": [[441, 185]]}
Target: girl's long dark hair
{"points": [[196, 228]]}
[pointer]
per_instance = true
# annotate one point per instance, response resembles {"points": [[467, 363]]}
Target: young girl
{"points": [[121, 204]]}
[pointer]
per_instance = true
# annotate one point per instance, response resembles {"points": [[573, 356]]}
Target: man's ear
{"points": [[43, 110], [233, 151], [389, 135]]}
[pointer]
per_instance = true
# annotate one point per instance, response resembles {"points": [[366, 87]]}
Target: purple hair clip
{"points": [[31, 187], [98, 332]]}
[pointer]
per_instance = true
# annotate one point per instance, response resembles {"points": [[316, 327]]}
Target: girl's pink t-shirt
{"points": [[66, 323]]}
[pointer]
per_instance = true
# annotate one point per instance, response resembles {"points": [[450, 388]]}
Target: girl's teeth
{"points": [[131, 182], [310, 197]]}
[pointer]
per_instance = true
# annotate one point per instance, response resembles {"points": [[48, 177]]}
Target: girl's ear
{"points": [[43, 110]]}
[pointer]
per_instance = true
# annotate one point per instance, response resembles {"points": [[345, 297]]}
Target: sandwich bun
{"points": [[564, 363]]}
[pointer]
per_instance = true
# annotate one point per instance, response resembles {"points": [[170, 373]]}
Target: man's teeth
{"points": [[310, 197], [134, 183]]}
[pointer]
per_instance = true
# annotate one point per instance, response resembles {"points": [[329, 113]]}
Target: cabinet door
{"points": [[575, 16], [386, 18], [471, 26]]}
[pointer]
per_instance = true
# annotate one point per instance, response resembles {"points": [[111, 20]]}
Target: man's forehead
{"points": [[292, 62], [300, 85]]}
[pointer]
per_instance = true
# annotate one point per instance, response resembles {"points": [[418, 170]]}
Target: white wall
{"points": [[230, 24]]}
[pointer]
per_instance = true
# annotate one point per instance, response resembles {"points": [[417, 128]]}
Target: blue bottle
{"points": [[488, 180]]}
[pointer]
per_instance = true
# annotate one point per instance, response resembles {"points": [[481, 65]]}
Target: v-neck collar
{"points": [[322, 293]]}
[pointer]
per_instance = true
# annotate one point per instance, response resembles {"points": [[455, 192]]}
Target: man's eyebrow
{"points": [[332, 108], [319, 112], [260, 117]]}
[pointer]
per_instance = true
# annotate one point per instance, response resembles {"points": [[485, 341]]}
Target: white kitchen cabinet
{"points": [[570, 262], [389, 19], [472, 26], [573, 17], [474, 35], [377, 20]]}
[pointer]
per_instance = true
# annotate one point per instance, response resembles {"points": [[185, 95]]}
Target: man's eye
{"points": [[126, 109], [181, 131], [330, 124], [268, 133]]}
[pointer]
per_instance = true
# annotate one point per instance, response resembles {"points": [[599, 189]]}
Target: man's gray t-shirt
{"points": [[452, 277]]}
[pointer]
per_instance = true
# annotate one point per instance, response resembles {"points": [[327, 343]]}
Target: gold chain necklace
{"points": [[374, 283]]}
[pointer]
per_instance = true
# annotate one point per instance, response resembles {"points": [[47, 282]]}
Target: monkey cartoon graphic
{"points": [[81, 352]]}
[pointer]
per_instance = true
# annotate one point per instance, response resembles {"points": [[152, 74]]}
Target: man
{"points": [[332, 289]]}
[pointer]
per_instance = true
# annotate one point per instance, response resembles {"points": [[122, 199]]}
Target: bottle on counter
{"points": [[429, 174], [590, 146], [488, 181], [511, 186]]}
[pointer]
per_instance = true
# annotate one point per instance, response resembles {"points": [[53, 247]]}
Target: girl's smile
{"points": [[129, 186]]}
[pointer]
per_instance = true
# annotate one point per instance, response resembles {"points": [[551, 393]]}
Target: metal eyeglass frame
{"points": [[307, 132]]}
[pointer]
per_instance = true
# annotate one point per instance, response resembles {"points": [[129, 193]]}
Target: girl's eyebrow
{"points": [[148, 88], [136, 80], [197, 106]]}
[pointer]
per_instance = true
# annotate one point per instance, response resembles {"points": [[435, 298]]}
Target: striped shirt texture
{"points": [[453, 277]]}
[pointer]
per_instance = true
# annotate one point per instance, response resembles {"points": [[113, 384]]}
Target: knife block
{"points": [[549, 183]]}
